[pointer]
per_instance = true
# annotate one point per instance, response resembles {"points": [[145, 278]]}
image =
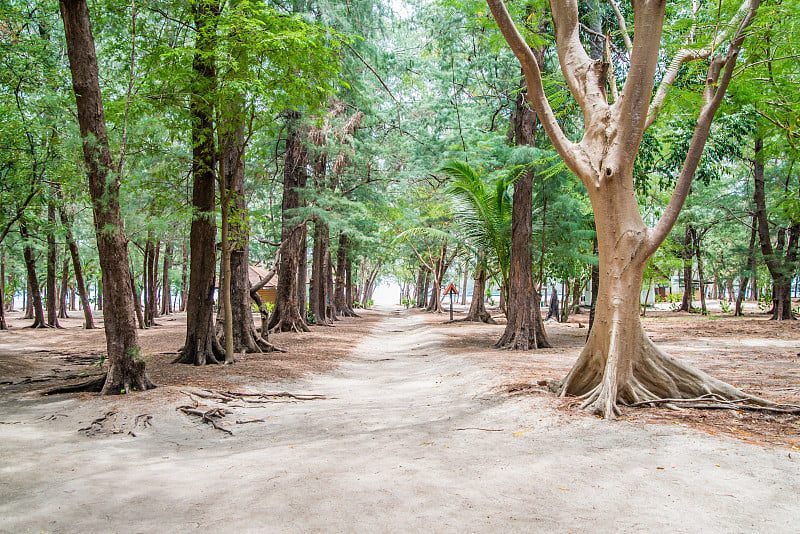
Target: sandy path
{"points": [[409, 439]]}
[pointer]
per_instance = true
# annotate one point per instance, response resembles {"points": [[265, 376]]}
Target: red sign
{"points": [[451, 289]]}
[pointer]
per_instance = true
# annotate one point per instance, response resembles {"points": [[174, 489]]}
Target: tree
{"points": [[126, 371], [619, 363], [88, 319], [201, 345], [781, 259], [524, 327], [286, 315]]}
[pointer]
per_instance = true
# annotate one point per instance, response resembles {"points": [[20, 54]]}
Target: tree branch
{"points": [[20, 211], [569, 151], [273, 269], [718, 78], [685, 55], [637, 91], [623, 27]]}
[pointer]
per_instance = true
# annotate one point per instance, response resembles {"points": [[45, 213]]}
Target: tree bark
{"points": [[184, 278], [149, 274], [426, 286], [52, 261], [62, 294], [781, 269], [243, 328], [137, 303], [464, 283], [477, 308], [302, 273], [339, 299], [34, 292], [202, 346], [688, 280], [330, 290], [126, 370], [318, 294], [348, 292], [700, 273], [286, 315], [420, 289], [524, 327], [3, 324], [166, 289], [595, 285]]}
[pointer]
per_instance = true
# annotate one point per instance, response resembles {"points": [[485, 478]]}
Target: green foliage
{"points": [[484, 215]]}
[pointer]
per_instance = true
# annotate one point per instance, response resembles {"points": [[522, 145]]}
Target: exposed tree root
{"points": [[207, 416], [93, 385], [122, 379], [715, 402], [290, 325], [484, 317], [258, 398], [265, 346], [210, 415], [524, 337], [606, 376]]}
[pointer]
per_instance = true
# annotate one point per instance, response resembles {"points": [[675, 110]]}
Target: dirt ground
{"points": [[411, 423]]}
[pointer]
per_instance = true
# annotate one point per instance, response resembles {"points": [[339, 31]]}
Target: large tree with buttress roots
{"points": [[619, 364]]}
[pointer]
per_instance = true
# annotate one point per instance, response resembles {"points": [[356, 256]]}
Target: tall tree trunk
{"points": [[464, 283], [700, 273], [781, 270], [302, 273], [339, 290], [426, 286], [477, 308], [286, 315], [524, 327], [688, 280], [348, 292], [149, 273], [62, 294], [419, 289], [435, 303], [166, 289], [619, 362], [156, 252], [88, 319], [369, 287], [244, 335], [34, 292], [184, 277], [126, 371], [318, 294], [202, 346], [137, 304], [330, 307], [3, 324], [27, 300], [52, 261], [145, 300]]}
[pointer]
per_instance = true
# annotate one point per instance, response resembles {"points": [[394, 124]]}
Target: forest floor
{"points": [[419, 425]]}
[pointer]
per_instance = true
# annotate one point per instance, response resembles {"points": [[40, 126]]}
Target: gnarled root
{"points": [[266, 346], [638, 373], [125, 379]]}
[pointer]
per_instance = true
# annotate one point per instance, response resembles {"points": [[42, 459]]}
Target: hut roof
{"points": [[255, 274]]}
